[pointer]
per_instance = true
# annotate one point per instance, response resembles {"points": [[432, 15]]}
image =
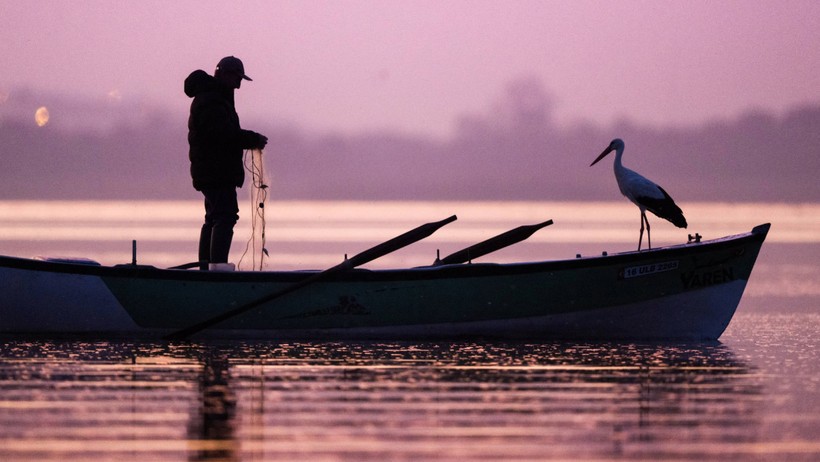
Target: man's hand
{"points": [[263, 141]]}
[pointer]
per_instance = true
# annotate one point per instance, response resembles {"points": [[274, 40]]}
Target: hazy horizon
{"points": [[517, 151]]}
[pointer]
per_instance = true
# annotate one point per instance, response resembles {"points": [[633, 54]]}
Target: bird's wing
{"points": [[664, 208]]}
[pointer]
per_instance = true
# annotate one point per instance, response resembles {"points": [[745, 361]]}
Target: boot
{"points": [[220, 244], [204, 247]]}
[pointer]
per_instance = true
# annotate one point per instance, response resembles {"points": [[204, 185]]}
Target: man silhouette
{"points": [[217, 143]]}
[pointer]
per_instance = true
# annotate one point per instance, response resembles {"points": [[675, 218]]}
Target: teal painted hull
{"points": [[680, 292]]}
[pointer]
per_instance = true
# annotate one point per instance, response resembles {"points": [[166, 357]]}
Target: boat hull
{"points": [[685, 292]]}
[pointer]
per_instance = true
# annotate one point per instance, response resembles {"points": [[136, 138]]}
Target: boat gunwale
{"points": [[758, 234]]}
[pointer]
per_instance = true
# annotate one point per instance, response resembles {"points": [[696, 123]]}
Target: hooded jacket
{"points": [[215, 137]]}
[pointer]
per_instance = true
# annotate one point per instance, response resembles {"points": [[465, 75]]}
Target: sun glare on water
{"points": [[316, 234]]}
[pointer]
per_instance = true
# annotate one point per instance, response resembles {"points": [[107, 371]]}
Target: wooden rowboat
{"points": [[681, 292]]}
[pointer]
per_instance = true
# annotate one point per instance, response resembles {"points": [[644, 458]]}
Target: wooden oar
{"points": [[368, 255], [492, 244]]}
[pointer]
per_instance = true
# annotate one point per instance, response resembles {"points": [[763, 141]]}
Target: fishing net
{"points": [[259, 193]]}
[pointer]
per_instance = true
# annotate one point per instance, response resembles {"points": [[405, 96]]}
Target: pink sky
{"points": [[415, 66]]}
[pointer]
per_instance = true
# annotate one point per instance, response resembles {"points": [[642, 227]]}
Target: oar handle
{"points": [[359, 259], [492, 244]]}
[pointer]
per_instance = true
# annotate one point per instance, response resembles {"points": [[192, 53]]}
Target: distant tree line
{"points": [[515, 151]]}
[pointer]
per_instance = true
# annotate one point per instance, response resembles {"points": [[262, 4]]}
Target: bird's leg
{"points": [[648, 235], [640, 237]]}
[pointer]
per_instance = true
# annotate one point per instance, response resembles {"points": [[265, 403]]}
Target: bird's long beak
{"points": [[603, 154]]}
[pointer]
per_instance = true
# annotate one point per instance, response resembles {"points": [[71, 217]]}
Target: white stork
{"points": [[643, 193]]}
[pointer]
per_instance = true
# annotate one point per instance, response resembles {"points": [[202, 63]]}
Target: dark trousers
{"points": [[221, 214]]}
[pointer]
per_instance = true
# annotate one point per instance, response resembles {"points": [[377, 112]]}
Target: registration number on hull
{"points": [[646, 270]]}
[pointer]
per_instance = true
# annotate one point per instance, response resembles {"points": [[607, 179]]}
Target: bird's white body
{"points": [[642, 192]]}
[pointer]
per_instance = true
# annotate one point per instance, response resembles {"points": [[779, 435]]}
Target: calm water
{"points": [[755, 395]]}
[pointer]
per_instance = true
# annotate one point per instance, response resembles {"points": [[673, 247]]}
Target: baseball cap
{"points": [[232, 64]]}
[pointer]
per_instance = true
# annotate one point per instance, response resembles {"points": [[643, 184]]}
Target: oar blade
{"points": [[492, 244], [398, 242]]}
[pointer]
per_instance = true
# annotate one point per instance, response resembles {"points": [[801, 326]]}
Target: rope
{"points": [[259, 194]]}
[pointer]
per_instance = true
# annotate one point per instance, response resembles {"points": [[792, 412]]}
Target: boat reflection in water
{"points": [[374, 401]]}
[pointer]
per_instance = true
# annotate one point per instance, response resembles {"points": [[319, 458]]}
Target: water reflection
{"points": [[374, 401], [212, 424]]}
